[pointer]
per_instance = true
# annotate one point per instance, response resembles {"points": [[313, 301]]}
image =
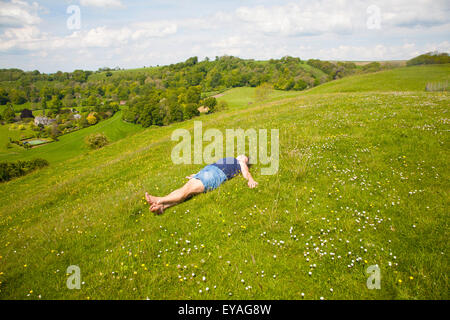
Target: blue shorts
{"points": [[211, 177]]}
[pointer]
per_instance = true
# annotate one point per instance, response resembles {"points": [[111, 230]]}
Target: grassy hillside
{"points": [[69, 145], [400, 79], [239, 97], [363, 180]]}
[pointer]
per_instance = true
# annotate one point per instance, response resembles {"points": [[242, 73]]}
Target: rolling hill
{"points": [[363, 180], [399, 79]]}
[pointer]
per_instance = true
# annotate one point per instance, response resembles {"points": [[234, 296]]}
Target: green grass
{"points": [[244, 97], [362, 175], [11, 131], [399, 79]]}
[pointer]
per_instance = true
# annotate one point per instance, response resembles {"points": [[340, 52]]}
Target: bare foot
{"points": [[151, 199], [157, 208]]}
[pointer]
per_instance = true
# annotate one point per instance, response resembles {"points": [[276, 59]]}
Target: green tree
{"points": [[79, 76], [175, 113], [191, 110], [17, 96], [193, 94], [129, 115], [211, 103], [9, 114], [92, 101], [191, 61], [55, 104], [146, 117], [300, 85], [54, 131], [4, 99]]}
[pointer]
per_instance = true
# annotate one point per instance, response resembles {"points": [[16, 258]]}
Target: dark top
{"points": [[229, 166]]}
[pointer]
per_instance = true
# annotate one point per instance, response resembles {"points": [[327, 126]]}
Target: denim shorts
{"points": [[211, 177]]}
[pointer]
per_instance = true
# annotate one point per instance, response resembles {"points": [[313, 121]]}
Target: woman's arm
{"points": [[243, 160]]}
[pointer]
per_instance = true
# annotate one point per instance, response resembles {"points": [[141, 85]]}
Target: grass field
{"points": [[363, 180], [238, 98], [400, 79], [12, 131]]}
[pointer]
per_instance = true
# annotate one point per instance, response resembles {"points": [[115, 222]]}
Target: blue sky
{"points": [[131, 34]]}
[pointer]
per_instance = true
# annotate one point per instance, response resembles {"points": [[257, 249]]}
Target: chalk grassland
{"points": [[400, 79], [363, 180], [238, 98]]}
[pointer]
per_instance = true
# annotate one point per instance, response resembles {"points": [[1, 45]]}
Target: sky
{"points": [[65, 35]]}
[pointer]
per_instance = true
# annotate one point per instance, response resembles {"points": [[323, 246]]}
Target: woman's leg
{"points": [[192, 187]]}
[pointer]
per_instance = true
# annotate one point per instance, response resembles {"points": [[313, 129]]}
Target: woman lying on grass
{"points": [[207, 179]]}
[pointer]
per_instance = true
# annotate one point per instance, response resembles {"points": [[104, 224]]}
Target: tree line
{"points": [[429, 58]]}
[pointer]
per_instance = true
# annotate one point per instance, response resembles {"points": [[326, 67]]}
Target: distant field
{"points": [[102, 75], [400, 79], [239, 97], [71, 144], [363, 180], [7, 132], [396, 63]]}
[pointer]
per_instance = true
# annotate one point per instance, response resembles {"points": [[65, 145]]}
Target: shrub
{"points": [[54, 131], [190, 110], [210, 102], [96, 140], [221, 105], [371, 67], [263, 91], [10, 170], [91, 119]]}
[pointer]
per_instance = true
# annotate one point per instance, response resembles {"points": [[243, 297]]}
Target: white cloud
{"points": [[30, 38], [305, 18], [444, 46], [153, 29], [379, 51], [296, 19], [325, 29], [102, 3], [418, 13], [18, 13], [107, 37]]}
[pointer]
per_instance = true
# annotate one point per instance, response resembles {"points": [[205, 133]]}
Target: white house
{"points": [[43, 120]]}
